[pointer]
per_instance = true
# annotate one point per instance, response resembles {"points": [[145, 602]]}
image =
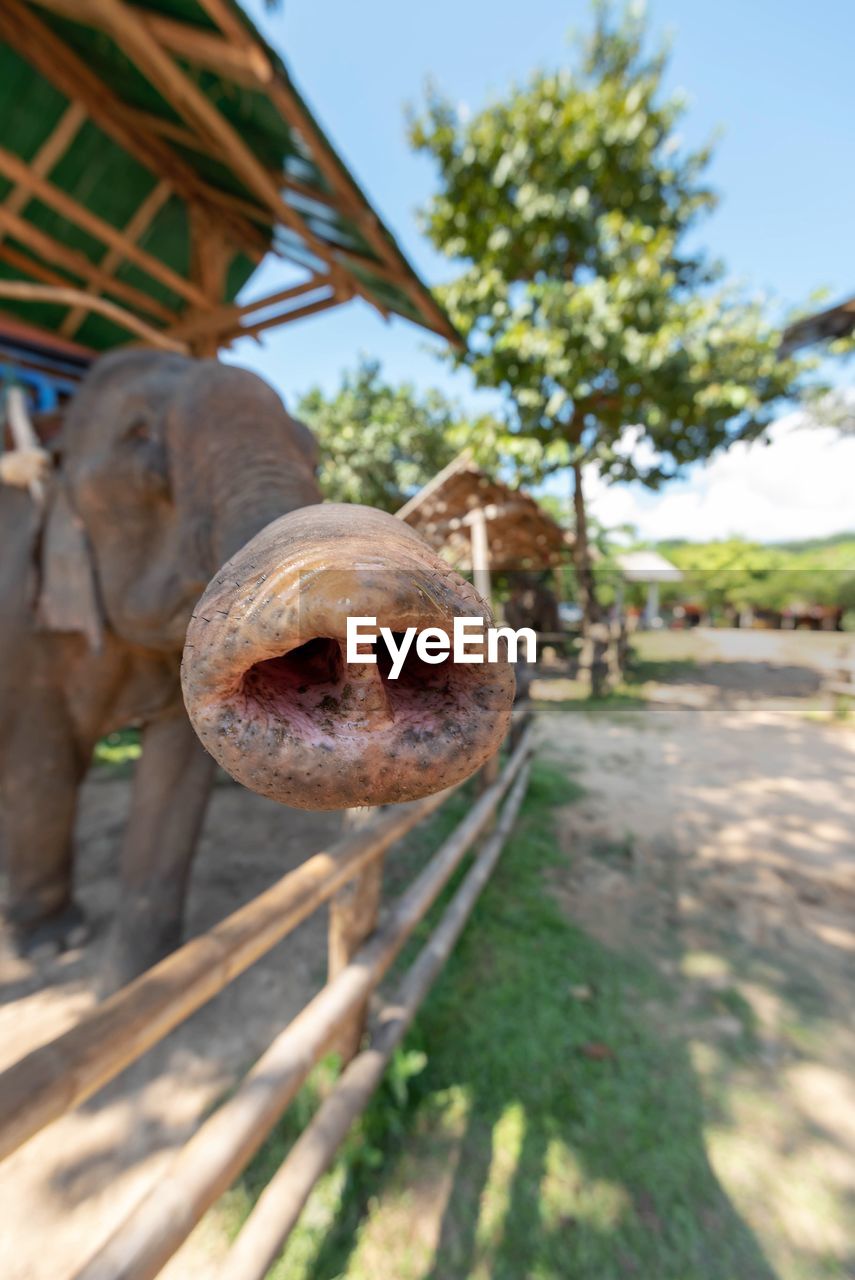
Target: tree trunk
{"points": [[582, 557]]}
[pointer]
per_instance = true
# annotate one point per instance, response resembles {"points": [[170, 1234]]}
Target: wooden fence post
{"points": [[353, 915]]}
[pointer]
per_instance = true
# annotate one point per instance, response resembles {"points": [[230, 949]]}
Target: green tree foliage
{"points": [[734, 574], [582, 293], [380, 441]]}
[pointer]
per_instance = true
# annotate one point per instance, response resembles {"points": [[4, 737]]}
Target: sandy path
{"points": [[720, 843]]}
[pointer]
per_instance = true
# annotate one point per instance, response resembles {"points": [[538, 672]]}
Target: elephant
{"points": [[170, 472]]}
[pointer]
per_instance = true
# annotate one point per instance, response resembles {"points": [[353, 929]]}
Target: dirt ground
{"points": [[715, 836], [64, 1191]]}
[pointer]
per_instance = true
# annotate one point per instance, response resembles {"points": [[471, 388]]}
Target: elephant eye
{"points": [[138, 432], [142, 454]]}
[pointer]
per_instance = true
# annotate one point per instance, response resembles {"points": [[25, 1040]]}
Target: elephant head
{"points": [[174, 467], [169, 466]]}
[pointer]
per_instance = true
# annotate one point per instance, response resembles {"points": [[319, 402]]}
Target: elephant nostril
{"points": [[316, 662], [296, 682], [311, 692]]}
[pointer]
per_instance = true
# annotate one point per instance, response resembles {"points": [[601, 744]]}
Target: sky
{"points": [[771, 78]]}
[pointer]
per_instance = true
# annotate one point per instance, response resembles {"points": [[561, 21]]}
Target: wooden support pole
{"points": [[477, 522], [224, 1144], [60, 1075], [209, 260], [279, 1207]]}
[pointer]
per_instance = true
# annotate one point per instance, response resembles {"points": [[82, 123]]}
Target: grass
{"points": [[534, 1126], [118, 751]]}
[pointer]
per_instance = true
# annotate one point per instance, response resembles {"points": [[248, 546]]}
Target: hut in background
{"points": [[481, 525], [650, 569]]}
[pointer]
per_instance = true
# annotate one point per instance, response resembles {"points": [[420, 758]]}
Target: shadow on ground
{"points": [[554, 1130], [753, 680]]}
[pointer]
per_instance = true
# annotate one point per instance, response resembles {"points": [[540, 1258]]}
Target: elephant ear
{"points": [[68, 596]]}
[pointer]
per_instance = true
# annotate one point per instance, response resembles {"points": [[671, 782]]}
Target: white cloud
{"points": [[800, 485]]}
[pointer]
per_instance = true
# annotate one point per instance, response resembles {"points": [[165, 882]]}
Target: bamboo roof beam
{"points": [[138, 224], [284, 97], [227, 20], [197, 325], [77, 264], [170, 130], [25, 32], [24, 292], [286, 100], [246, 64], [301, 211], [12, 167], [30, 266], [54, 146], [130, 33], [380, 269], [229, 324], [185, 137], [296, 313]]}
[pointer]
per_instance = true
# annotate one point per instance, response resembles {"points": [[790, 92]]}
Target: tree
{"points": [[380, 442], [582, 293]]}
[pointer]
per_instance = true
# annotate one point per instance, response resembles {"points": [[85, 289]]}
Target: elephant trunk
{"points": [[272, 696], [247, 493]]}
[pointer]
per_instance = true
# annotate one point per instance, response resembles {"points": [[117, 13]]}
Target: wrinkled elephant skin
{"points": [[169, 468], [272, 697]]}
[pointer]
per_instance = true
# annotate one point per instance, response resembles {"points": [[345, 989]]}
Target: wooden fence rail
{"points": [[60, 1075], [222, 1147], [279, 1207]]}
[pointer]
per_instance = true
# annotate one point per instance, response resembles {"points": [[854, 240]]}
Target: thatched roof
{"points": [[521, 534], [824, 326]]}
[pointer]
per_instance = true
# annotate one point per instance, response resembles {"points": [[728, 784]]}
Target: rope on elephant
{"points": [[27, 464]]}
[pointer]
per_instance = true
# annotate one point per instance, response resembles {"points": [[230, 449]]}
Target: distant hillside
{"points": [[735, 573], [815, 544]]}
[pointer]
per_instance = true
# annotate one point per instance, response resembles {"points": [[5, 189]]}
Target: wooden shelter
{"points": [[649, 569], [823, 326], [477, 523], [152, 154]]}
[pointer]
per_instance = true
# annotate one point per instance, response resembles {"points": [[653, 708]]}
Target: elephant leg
{"points": [[171, 789], [43, 768]]}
